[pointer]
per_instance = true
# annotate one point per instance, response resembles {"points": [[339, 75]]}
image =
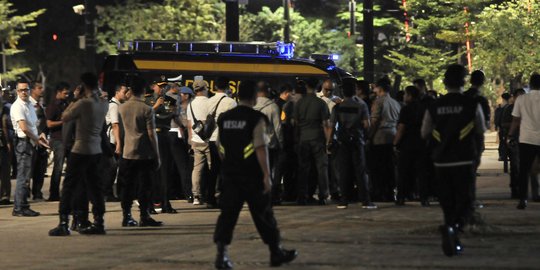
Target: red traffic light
{"points": [[55, 37]]}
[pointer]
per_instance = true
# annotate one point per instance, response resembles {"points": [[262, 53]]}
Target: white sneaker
{"points": [[196, 201]]}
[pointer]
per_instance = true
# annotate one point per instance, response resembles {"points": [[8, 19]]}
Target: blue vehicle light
{"points": [[330, 68], [334, 57], [285, 49]]}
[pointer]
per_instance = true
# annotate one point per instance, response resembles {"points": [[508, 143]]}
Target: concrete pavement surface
{"points": [[390, 237]]}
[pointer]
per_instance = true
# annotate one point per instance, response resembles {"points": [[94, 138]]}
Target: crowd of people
{"points": [[358, 142]]}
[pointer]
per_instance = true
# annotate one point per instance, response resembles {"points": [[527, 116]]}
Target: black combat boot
{"points": [[62, 228], [128, 220], [448, 240], [279, 255], [147, 221], [459, 247], [222, 258], [97, 227], [74, 222], [80, 220]]}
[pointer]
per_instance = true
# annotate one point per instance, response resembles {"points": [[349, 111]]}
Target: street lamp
{"points": [[88, 10]]}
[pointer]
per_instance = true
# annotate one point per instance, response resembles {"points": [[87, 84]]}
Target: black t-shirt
{"points": [[4, 113], [410, 117], [475, 93], [54, 112]]}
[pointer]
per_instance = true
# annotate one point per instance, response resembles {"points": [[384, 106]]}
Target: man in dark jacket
{"points": [[246, 177], [453, 122]]}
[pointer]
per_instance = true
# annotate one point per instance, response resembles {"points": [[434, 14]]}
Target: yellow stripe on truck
{"points": [[229, 67]]}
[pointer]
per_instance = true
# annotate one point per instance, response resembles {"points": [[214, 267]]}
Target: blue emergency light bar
{"points": [[325, 57], [273, 49]]}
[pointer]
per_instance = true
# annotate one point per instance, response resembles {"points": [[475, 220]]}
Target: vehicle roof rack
{"points": [[279, 49]]}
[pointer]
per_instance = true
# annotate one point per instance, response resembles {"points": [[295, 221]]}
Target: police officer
{"points": [[246, 177], [164, 108], [453, 122], [352, 119]]}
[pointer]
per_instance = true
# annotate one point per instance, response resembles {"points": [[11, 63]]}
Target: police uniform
{"points": [[242, 175], [350, 150], [455, 121], [163, 116]]}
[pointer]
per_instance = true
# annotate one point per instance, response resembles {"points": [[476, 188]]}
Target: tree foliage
{"points": [[172, 20], [438, 37], [507, 40], [12, 28]]}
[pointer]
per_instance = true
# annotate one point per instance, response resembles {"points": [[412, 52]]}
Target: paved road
{"points": [[327, 238]]}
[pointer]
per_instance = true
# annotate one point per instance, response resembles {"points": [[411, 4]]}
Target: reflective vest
{"points": [[453, 118], [236, 128]]}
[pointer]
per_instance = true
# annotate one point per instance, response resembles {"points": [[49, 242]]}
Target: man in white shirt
{"points": [[24, 119], [197, 110], [271, 110], [219, 103], [39, 164], [114, 132], [526, 115]]}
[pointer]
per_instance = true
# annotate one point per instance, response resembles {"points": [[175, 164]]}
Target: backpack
{"points": [[205, 129]]}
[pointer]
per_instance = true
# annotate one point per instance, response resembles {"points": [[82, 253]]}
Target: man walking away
{"points": [[453, 122], [526, 115], [246, 177]]}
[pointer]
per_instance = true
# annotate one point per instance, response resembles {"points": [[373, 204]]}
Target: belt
{"points": [[23, 138]]}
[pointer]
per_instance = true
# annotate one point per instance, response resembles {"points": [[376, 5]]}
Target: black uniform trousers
{"points": [[527, 154], [5, 173], [161, 177], [412, 175], [383, 174], [39, 164], [513, 154], [351, 170], [182, 163], [136, 182], [82, 171], [111, 166], [236, 190], [455, 196], [213, 182], [286, 172]]}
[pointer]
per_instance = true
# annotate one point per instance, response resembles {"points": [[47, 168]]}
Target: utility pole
{"points": [[287, 18], [369, 52], [90, 34], [352, 17], [4, 61], [352, 33], [232, 24]]}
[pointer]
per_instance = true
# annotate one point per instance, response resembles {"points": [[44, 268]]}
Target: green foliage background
{"points": [[12, 28]]}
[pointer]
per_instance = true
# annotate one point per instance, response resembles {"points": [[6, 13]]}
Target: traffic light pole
{"points": [[232, 25], [90, 34], [369, 52], [287, 18]]}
